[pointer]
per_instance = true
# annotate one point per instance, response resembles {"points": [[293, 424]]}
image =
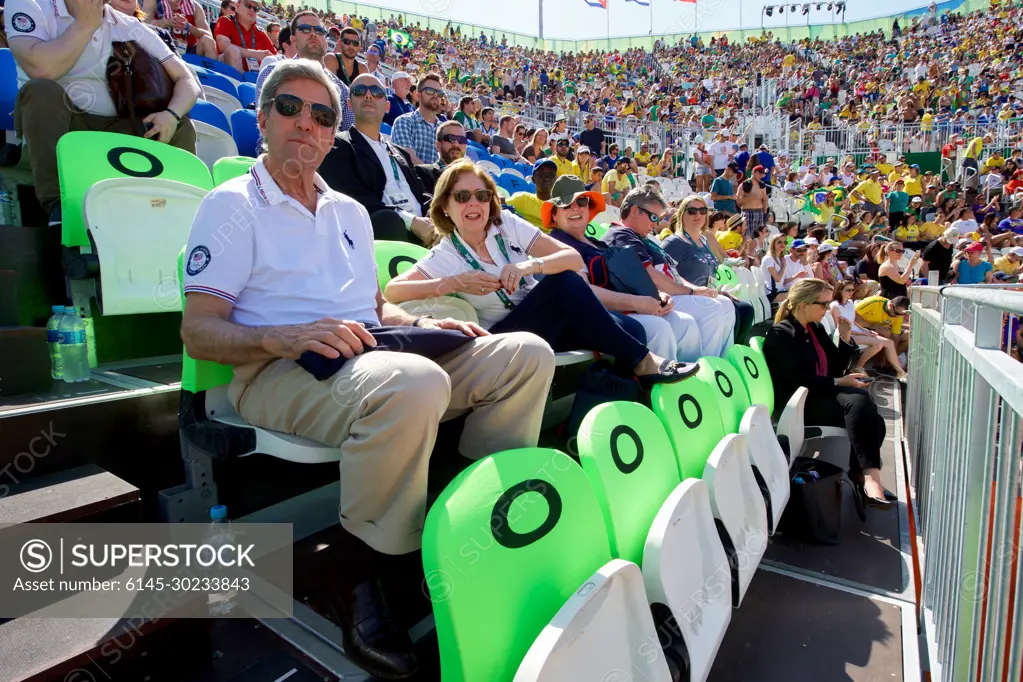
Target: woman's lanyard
{"points": [[474, 264], [713, 260], [241, 38]]}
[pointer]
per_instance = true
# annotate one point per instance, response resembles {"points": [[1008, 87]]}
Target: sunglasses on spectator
{"points": [[464, 196], [581, 202], [251, 5], [696, 210], [453, 139], [351, 41], [292, 105], [430, 91], [361, 90], [654, 218], [823, 303], [310, 28]]}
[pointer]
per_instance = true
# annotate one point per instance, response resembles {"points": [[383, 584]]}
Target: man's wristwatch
{"points": [[415, 322]]}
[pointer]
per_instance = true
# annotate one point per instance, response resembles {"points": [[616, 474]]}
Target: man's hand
{"points": [[645, 305], [667, 304], [468, 328], [179, 22], [88, 13], [422, 228], [164, 126], [328, 337], [705, 291]]}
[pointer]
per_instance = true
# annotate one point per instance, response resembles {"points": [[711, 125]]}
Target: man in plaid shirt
{"points": [[416, 132]]}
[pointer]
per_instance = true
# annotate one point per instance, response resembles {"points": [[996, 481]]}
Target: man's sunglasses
{"points": [[695, 210], [351, 41], [430, 91], [654, 218], [361, 90], [310, 28], [292, 105], [454, 139], [464, 196]]}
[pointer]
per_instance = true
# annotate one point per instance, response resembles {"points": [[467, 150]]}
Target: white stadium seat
{"points": [[213, 144], [605, 628], [139, 256], [767, 456]]}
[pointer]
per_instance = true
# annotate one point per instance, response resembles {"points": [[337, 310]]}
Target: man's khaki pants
{"points": [[383, 410], [43, 113]]}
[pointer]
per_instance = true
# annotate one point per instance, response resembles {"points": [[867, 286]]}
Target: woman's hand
{"points": [[845, 329], [475, 282], [164, 126], [511, 274], [857, 380]]}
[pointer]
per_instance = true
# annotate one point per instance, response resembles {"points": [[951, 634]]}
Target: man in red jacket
{"points": [[240, 42]]}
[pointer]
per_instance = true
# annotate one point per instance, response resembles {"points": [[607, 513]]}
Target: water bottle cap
{"points": [[218, 512], [70, 309], [56, 308]]}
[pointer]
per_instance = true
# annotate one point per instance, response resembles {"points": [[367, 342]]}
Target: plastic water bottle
{"points": [[220, 603], [53, 341], [6, 204], [74, 352]]}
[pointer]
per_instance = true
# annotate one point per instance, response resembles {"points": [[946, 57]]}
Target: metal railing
{"points": [[965, 433]]}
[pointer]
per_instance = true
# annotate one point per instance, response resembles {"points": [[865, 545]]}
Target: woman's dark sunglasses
{"points": [[351, 41], [464, 196], [292, 105], [460, 139], [694, 210], [310, 28], [361, 89]]}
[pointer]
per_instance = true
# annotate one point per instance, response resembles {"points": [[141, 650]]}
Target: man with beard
{"points": [[344, 63], [416, 132], [376, 173], [309, 39], [451, 143]]}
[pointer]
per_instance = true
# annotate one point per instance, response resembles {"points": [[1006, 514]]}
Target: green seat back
{"points": [[728, 387], [756, 343], [726, 276], [229, 167], [597, 230], [752, 367], [85, 158], [199, 375], [689, 412], [504, 547], [394, 258], [631, 464]]}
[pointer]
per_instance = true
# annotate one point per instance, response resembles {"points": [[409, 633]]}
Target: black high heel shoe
{"points": [[877, 503]]}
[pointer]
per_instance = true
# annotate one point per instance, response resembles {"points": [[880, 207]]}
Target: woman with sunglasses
{"points": [[697, 255], [800, 353], [490, 259], [844, 307], [893, 280]]}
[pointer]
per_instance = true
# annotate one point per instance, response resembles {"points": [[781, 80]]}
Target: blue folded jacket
{"points": [[430, 343]]}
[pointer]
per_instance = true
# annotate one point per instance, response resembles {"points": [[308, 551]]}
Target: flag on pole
{"points": [[644, 3], [597, 3], [692, 1], [399, 38]]}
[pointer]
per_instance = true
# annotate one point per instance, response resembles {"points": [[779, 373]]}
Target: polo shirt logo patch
{"points": [[198, 260], [23, 23]]}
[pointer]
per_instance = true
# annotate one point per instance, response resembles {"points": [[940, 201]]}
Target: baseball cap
{"points": [[810, 241], [540, 163], [825, 248], [974, 247], [798, 244], [1017, 251], [758, 169], [400, 74], [950, 235]]}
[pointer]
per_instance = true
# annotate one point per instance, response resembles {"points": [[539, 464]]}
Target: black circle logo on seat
{"points": [[618, 432], [688, 399], [114, 159], [726, 388], [751, 367], [392, 267], [499, 527]]}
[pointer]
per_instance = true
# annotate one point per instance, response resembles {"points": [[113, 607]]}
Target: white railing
{"points": [[965, 433]]}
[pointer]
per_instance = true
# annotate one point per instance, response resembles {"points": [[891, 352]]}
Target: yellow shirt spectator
{"points": [[1003, 264], [872, 310], [653, 169], [931, 230], [565, 167], [527, 205], [870, 190], [729, 240], [927, 122], [914, 187], [909, 233], [642, 158], [615, 184], [974, 148]]}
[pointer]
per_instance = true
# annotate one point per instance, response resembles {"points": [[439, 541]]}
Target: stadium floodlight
{"points": [[830, 6], [819, 5], [839, 7], [770, 10], [806, 8], [793, 8]]}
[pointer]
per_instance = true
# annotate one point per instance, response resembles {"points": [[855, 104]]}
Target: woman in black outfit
{"points": [[799, 352]]}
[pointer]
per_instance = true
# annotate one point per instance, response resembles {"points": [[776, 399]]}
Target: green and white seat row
{"points": [[518, 558]]}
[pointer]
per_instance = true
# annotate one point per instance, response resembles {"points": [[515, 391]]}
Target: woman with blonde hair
{"points": [[892, 278], [800, 353], [489, 258]]}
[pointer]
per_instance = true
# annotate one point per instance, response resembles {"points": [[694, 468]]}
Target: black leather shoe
{"points": [[370, 634], [890, 496], [669, 372]]}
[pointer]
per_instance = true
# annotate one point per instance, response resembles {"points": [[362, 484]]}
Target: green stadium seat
{"points": [[631, 464], [231, 167], [729, 388], [505, 546], [726, 277], [113, 155], [689, 412], [394, 258], [752, 367], [597, 230]]}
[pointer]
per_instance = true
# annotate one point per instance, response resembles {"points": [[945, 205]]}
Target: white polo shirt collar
{"points": [[271, 193]]}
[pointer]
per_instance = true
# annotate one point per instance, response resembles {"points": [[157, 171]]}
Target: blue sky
{"points": [[575, 19]]}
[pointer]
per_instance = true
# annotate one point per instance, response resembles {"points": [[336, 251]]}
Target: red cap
{"points": [[758, 168], [975, 247]]}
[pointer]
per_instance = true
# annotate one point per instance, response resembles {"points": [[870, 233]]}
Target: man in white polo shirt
{"points": [[280, 265], [61, 48]]}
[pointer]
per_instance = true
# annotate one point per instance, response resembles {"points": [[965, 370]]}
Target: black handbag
{"points": [[814, 511]]}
